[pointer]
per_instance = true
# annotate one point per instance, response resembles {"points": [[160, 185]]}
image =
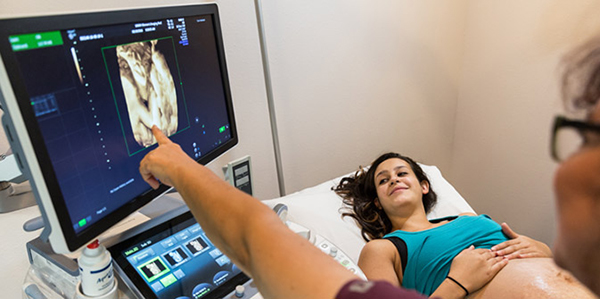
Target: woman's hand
{"points": [[520, 246], [473, 268]]}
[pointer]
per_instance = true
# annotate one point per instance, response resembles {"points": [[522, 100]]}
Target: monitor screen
{"points": [[82, 92]]}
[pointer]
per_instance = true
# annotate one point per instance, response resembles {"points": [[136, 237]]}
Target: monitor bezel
{"points": [[20, 119]]}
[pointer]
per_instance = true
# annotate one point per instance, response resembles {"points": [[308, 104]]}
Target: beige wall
{"points": [[470, 86], [353, 79], [508, 97]]}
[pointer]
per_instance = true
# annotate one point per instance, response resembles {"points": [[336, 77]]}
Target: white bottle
{"points": [[96, 270]]}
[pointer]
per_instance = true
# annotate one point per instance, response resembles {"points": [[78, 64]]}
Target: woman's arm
{"points": [[379, 260], [472, 269], [282, 263], [520, 246]]}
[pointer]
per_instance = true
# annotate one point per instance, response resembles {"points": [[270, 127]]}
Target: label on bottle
{"points": [[97, 277]]}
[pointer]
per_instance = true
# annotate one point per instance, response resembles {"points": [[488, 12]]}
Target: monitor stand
{"points": [[58, 273]]}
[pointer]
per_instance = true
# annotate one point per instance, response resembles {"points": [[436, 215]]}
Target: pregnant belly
{"points": [[533, 278]]}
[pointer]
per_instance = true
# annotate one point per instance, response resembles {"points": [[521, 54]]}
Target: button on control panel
{"points": [[245, 291], [330, 249]]}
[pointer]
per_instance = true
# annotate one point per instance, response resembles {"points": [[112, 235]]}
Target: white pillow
{"points": [[449, 201], [318, 209]]}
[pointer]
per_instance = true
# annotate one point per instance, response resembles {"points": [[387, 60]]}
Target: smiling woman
{"points": [[449, 257]]}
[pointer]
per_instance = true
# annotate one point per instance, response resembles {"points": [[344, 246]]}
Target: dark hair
{"points": [[359, 192], [581, 77]]}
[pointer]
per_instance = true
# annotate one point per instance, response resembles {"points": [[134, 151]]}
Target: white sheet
{"points": [[318, 208]]}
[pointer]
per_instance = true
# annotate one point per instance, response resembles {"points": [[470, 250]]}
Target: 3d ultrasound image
{"points": [[149, 89]]}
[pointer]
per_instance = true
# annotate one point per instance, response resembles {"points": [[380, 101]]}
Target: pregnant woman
{"points": [[465, 255]]}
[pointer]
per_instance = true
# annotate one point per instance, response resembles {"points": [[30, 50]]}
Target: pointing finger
{"points": [[160, 136]]}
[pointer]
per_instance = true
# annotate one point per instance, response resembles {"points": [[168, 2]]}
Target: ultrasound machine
{"points": [[80, 92]]}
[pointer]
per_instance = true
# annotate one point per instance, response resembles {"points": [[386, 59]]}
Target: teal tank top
{"points": [[430, 252]]}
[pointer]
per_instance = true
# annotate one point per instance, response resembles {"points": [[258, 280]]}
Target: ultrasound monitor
{"points": [[81, 92]]}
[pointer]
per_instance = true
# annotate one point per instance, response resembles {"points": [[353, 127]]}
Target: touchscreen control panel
{"points": [[176, 260]]}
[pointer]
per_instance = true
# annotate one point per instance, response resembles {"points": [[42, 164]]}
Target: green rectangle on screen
{"points": [[32, 41], [168, 280]]}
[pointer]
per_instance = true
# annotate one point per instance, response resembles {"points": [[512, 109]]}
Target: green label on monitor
{"points": [[82, 222], [32, 41]]}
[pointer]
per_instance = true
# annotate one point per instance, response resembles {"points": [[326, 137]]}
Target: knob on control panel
{"points": [[239, 291], [333, 251]]}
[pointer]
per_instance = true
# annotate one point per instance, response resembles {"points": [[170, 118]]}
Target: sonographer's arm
{"points": [[282, 263]]}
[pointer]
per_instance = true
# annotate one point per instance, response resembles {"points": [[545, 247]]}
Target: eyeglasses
{"points": [[568, 136]]}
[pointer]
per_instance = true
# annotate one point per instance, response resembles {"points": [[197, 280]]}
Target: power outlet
{"points": [[237, 173]]}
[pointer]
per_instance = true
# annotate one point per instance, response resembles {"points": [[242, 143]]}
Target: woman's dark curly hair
{"points": [[359, 193]]}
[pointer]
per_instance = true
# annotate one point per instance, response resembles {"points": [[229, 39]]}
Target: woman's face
{"points": [[397, 186], [577, 189]]}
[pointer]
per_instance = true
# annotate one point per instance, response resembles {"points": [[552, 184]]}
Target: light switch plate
{"points": [[238, 174]]}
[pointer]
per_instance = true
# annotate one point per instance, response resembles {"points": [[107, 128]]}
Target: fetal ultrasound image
{"points": [[149, 89]]}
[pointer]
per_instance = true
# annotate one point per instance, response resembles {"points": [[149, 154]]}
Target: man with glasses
{"points": [[576, 145]]}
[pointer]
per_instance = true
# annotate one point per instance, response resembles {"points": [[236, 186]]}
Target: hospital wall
{"points": [[509, 93], [354, 79]]}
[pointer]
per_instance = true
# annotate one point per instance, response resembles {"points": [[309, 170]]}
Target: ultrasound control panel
{"points": [[173, 258], [176, 260]]}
